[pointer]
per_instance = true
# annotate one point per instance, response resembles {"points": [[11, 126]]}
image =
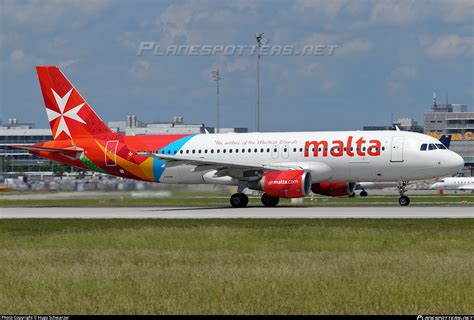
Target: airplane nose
{"points": [[456, 161]]}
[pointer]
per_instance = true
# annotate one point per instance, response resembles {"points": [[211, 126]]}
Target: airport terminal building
{"points": [[15, 161]]}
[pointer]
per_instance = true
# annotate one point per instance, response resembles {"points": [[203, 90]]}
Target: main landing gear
{"points": [[269, 201], [239, 200], [363, 193], [402, 188]]}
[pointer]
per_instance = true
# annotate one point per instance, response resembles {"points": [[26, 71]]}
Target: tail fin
{"points": [[446, 140], [69, 115]]}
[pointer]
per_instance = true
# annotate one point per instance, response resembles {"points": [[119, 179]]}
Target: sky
{"points": [[390, 57]]}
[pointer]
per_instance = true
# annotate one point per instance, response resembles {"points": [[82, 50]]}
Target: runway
{"points": [[298, 212]]}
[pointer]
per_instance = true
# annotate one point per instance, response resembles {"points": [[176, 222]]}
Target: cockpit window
{"points": [[441, 146], [431, 146], [423, 147]]}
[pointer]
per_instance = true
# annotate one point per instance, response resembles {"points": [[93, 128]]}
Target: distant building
{"points": [[132, 126], [406, 124], [457, 121], [17, 160]]}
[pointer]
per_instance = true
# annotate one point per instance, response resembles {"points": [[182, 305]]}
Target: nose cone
{"points": [[435, 185], [456, 162]]}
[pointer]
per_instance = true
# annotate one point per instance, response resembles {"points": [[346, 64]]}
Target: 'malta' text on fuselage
{"points": [[338, 148]]}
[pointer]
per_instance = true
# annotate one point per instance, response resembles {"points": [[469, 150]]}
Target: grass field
{"points": [[237, 266], [223, 200]]}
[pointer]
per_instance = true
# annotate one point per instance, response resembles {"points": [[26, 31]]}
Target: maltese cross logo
{"points": [[71, 113]]}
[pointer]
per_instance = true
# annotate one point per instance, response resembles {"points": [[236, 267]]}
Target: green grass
{"points": [[237, 266], [209, 200]]}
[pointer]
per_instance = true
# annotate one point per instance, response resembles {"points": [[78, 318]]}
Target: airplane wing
{"points": [[467, 187], [65, 151], [221, 164]]}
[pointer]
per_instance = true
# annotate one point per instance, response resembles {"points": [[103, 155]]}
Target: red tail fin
{"points": [[69, 115]]}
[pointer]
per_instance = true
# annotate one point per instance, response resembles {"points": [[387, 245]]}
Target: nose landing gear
{"points": [[402, 188]]}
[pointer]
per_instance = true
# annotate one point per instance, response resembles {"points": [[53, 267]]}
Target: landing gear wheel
{"points": [[404, 201], [363, 193], [269, 201], [239, 200]]}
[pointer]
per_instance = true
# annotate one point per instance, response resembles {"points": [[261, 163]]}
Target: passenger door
{"points": [[396, 152]]}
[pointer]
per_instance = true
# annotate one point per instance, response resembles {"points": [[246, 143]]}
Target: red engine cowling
{"points": [[285, 184], [334, 189]]}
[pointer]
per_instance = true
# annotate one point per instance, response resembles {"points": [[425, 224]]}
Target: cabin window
{"points": [[294, 149], [205, 150], [194, 151], [261, 150], [223, 151], [250, 150], [243, 150], [268, 149], [212, 150], [230, 150], [236, 150], [187, 151], [199, 151], [218, 150], [301, 149], [169, 151], [383, 148], [181, 151], [255, 150]]}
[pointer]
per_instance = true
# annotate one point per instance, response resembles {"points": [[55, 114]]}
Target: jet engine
{"points": [[285, 184], [334, 189]]}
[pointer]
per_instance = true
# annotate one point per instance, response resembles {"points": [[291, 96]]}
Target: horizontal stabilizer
{"points": [[65, 151]]}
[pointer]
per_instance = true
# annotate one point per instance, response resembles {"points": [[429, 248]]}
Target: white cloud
{"points": [[399, 78], [405, 72], [403, 13], [142, 70], [395, 12], [49, 13], [328, 9], [202, 22], [456, 10], [66, 65], [354, 47], [328, 85], [21, 61], [319, 39], [448, 46]]}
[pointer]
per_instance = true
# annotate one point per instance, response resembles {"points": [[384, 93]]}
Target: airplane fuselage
{"points": [[384, 156]]}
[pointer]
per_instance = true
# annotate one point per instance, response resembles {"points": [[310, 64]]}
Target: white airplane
{"points": [[455, 183], [281, 164]]}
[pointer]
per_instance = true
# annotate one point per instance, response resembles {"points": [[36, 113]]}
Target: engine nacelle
{"points": [[334, 189], [285, 184]]}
